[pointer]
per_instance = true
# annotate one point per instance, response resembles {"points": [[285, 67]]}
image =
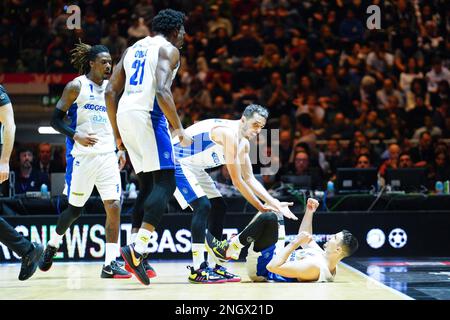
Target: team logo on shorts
{"points": [[185, 190], [166, 155]]}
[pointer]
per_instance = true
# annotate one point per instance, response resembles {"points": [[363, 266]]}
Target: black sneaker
{"points": [[151, 273], [114, 271], [134, 261], [30, 261], [204, 275], [46, 262], [222, 271], [217, 248]]}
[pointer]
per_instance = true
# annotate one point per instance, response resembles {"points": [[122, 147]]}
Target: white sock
{"points": [[133, 238], [198, 254], [236, 241], [235, 247], [55, 239], [142, 240], [110, 252]]}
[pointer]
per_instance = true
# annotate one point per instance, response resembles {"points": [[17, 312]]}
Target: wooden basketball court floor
{"points": [[70, 280]]}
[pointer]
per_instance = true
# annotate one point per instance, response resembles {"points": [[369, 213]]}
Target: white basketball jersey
{"points": [[88, 115], [319, 259], [139, 64], [203, 153]]}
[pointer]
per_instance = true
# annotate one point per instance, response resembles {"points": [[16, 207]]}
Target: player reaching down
{"points": [[311, 263]]}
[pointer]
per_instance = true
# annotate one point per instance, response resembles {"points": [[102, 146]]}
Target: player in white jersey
{"points": [[144, 75], [312, 263], [90, 153], [219, 142]]}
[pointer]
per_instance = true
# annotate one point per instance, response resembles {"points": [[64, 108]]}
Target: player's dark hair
{"points": [[167, 20], [83, 53], [251, 109], [349, 243]]}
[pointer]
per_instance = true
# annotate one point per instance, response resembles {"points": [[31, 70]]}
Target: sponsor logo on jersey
{"points": [[95, 107], [98, 119]]}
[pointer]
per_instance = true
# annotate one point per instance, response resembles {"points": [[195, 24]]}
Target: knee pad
{"points": [[269, 217]]}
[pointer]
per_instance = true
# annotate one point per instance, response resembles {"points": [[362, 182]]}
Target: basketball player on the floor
{"points": [[218, 142], [145, 74], [90, 153], [312, 263], [30, 252]]}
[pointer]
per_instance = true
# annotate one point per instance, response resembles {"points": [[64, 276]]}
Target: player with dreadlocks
{"points": [[90, 152]]}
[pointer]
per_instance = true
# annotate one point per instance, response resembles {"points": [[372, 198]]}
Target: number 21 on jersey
{"points": [[138, 65]]}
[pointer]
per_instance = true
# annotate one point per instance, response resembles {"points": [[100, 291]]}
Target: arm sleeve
{"points": [[59, 125]]}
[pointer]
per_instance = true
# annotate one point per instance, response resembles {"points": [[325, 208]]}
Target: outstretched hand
{"points": [[283, 208]]}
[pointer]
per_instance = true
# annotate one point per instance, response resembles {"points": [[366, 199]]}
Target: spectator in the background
{"points": [[351, 29], [247, 95], [395, 128], [352, 153], [197, 20], [219, 44], [217, 21], [442, 94], [217, 86], [417, 115], [422, 154], [436, 74], [275, 96], [367, 90], [339, 129], [410, 73], [392, 162], [28, 179], [92, 28], [245, 43], [429, 126], [305, 131], [138, 29], [45, 164], [404, 160], [57, 56], [373, 127], [379, 62], [386, 92], [220, 109], [114, 42], [333, 156], [440, 168], [286, 144], [303, 168], [363, 161], [417, 89], [247, 73], [144, 8], [440, 113]]}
